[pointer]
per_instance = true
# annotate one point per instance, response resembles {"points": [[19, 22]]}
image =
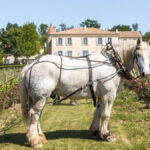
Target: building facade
{"points": [[83, 41]]}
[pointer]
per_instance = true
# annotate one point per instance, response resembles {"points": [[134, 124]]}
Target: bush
{"points": [[142, 88]]}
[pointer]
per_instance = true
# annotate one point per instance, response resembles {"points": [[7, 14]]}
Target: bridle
{"points": [[118, 63]]}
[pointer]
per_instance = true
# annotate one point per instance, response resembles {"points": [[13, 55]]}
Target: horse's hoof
{"points": [[112, 139], [42, 138], [108, 137], [38, 146], [96, 135]]}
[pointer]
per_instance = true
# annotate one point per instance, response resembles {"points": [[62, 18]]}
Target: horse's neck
{"points": [[127, 57]]}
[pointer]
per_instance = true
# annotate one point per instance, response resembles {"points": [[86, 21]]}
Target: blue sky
{"points": [[73, 12]]}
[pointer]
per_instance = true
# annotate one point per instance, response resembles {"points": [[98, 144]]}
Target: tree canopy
{"points": [[121, 28], [146, 36], [90, 23], [43, 28], [135, 26], [9, 39], [64, 27], [29, 43], [19, 41]]}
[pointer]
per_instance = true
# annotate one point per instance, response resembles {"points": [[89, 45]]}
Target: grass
{"points": [[67, 127]]}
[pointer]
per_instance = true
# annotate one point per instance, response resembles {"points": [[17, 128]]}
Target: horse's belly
{"points": [[64, 91]]}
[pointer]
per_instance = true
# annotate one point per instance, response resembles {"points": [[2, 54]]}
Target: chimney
{"points": [[51, 29], [84, 28], [54, 29]]}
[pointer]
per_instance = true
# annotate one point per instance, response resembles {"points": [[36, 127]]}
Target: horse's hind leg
{"points": [[41, 134], [33, 132]]}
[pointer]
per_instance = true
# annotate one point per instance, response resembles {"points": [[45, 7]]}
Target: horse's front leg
{"points": [[107, 103], [94, 128]]}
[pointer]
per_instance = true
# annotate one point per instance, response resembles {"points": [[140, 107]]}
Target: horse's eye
{"points": [[137, 55]]}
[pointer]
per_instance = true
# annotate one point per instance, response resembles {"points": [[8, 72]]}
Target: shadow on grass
{"points": [[68, 104], [20, 138]]}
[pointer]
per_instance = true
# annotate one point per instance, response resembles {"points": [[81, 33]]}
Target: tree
{"points": [[121, 28], [9, 39], [29, 43], [43, 28], [1, 56], [135, 27], [10, 25], [146, 36], [63, 27], [90, 23]]}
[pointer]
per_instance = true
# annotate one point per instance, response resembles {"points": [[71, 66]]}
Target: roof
{"points": [[130, 34], [85, 31], [95, 31]]}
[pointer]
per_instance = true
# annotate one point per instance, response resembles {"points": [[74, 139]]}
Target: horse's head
{"points": [[141, 56]]}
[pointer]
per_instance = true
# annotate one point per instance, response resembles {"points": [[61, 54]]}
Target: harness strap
{"points": [[64, 98], [60, 70], [90, 82]]}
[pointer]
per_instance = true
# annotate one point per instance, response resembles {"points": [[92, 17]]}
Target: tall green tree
{"points": [[9, 39], [146, 36], [43, 28], [121, 28], [29, 43], [90, 23], [10, 25], [135, 27]]}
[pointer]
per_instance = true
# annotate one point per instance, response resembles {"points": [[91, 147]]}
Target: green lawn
{"points": [[67, 127]]}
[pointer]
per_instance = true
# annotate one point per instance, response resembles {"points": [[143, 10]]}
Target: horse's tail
{"points": [[24, 94]]}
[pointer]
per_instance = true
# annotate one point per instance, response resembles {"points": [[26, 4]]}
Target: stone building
{"points": [[83, 41]]}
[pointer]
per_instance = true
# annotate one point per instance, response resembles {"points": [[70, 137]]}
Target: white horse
{"points": [[43, 77]]}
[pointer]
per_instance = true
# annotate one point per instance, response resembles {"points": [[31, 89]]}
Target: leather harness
{"points": [[115, 59], [90, 82]]}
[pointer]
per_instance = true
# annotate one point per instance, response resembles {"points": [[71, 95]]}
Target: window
{"points": [[60, 53], [69, 41], [109, 40], [85, 41], [60, 41], [99, 41], [85, 53], [24, 61], [6, 61], [69, 53]]}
